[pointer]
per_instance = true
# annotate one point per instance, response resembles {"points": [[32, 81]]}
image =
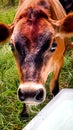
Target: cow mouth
{"points": [[31, 102]]}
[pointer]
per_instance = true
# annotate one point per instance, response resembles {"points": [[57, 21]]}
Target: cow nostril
{"points": [[21, 95], [39, 95]]}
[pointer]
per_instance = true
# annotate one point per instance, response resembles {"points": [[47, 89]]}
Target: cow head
{"points": [[33, 44]]}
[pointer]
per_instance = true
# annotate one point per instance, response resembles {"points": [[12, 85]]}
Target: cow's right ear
{"points": [[5, 31], [64, 27]]}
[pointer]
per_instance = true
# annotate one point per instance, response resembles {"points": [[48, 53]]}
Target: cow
{"points": [[39, 37]]}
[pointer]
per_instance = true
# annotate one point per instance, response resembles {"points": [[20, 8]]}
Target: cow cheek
{"points": [[18, 67], [46, 70], [19, 71]]}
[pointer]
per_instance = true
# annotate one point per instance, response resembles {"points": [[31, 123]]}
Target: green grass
{"points": [[66, 78], [7, 14], [10, 107]]}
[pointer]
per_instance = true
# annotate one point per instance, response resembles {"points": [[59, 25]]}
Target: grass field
{"points": [[10, 107]]}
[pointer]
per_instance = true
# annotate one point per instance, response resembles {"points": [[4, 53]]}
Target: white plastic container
{"points": [[56, 115]]}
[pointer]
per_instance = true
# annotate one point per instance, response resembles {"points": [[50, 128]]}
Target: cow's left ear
{"points": [[64, 27], [5, 31]]}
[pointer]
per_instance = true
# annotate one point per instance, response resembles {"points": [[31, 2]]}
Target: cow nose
{"points": [[35, 95], [31, 93]]}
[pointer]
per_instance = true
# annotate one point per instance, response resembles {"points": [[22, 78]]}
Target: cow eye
{"points": [[12, 46], [53, 47]]}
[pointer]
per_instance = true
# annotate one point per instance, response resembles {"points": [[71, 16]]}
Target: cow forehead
{"points": [[40, 31]]}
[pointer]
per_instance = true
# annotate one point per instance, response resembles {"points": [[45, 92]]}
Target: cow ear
{"points": [[5, 31], [64, 27]]}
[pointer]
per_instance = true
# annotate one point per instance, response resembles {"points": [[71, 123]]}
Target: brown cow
{"points": [[38, 40]]}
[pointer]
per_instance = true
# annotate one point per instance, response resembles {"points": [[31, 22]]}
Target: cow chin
{"points": [[31, 93]]}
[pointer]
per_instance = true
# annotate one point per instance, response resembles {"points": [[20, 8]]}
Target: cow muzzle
{"points": [[31, 93]]}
